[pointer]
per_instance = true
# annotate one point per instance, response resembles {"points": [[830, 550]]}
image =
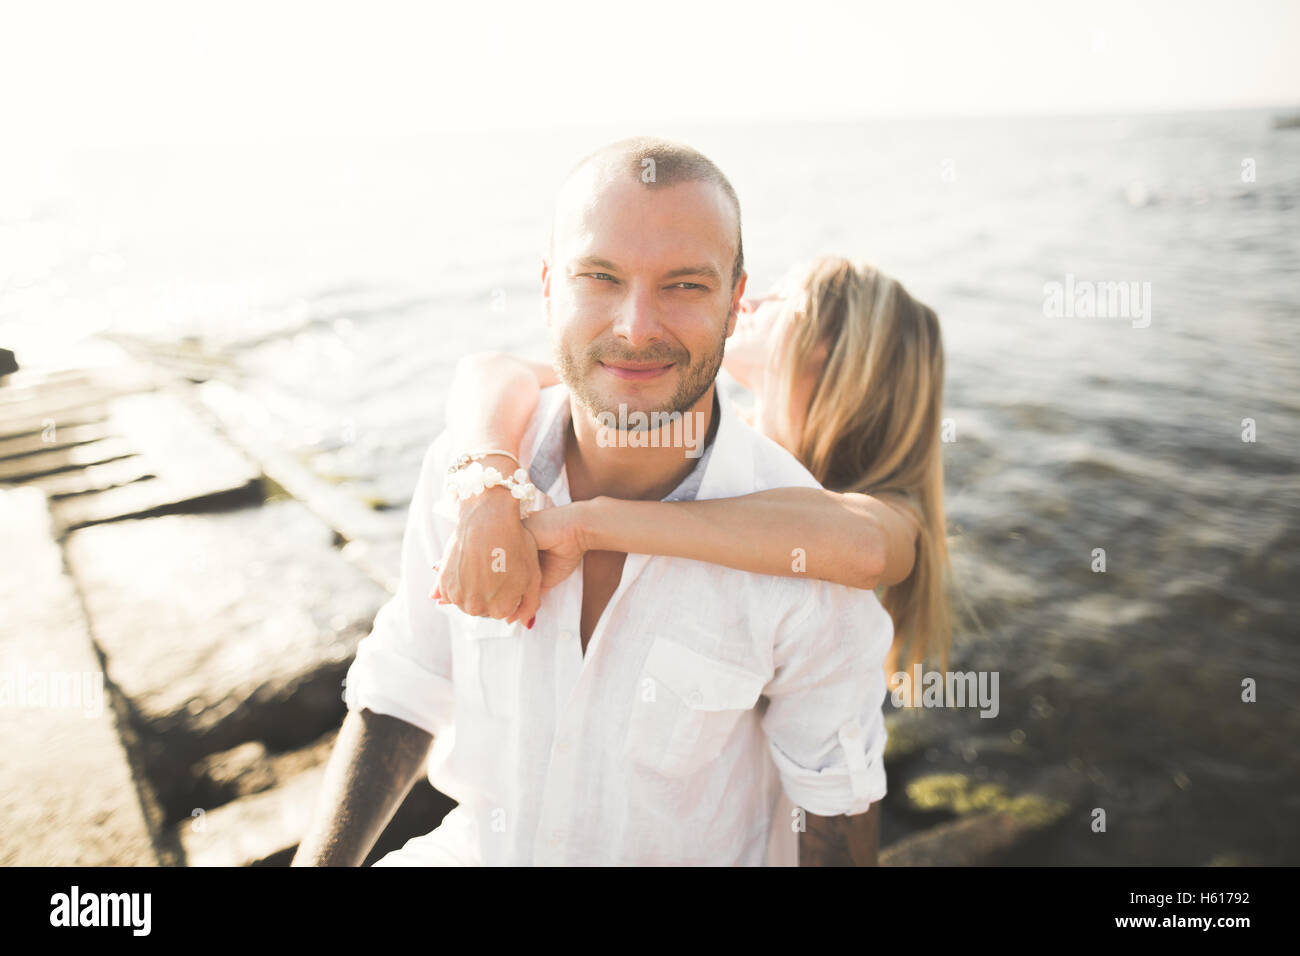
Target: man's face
{"points": [[638, 292]]}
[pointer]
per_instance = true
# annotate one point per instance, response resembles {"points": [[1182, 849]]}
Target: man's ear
{"points": [[736, 296]]}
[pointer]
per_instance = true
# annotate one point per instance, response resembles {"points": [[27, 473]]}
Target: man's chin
{"points": [[647, 398], [628, 415]]}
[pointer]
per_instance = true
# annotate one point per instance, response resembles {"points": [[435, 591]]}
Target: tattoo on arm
{"points": [[375, 761], [841, 841]]}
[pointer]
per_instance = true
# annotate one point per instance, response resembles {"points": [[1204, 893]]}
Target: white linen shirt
{"points": [[703, 694]]}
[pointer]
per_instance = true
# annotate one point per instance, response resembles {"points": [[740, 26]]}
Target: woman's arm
{"points": [[852, 539], [493, 395], [490, 565]]}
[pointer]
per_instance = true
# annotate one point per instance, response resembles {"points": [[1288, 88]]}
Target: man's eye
{"points": [[688, 285], [599, 275]]}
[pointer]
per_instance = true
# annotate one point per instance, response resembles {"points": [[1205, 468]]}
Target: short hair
{"points": [[671, 163]]}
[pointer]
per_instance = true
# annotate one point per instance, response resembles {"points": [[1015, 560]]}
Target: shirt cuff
{"points": [[847, 789], [387, 683]]}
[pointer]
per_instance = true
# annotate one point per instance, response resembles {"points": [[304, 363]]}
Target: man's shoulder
{"points": [[772, 465], [775, 467]]}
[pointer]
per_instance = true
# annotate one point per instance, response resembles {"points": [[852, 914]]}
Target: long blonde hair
{"points": [[872, 425]]}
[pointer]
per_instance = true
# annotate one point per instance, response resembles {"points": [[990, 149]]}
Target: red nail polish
{"points": [[532, 620]]}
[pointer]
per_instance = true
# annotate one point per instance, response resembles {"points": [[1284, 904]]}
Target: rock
{"points": [[192, 465], [47, 439], [221, 629], [231, 774], [8, 362], [47, 393], [121, 455], [252, 829], [992, 823], [19, 423], [264, 829], [69, 797], [95, 478], [60, 406], [374, 540], [911, 730], [957, 793], [53, 460], [972, 841], [250, 768]]}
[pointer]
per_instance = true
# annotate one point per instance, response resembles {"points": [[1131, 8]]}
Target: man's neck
{"points": [[649, 471]]}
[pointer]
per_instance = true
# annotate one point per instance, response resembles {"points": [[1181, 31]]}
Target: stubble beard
{"points": [[577, 372]]}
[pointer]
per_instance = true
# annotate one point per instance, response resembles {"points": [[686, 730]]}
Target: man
{"points": [[659, 707]]}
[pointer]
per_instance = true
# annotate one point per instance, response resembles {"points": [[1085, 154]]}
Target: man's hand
{"points": [[490, 566], [841, 841]]}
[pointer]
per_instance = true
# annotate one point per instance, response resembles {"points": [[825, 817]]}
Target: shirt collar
{"points": [[714, 475]]}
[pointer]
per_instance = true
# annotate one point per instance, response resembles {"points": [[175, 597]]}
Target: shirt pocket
{"points": [[685, 707], [487, 655]]}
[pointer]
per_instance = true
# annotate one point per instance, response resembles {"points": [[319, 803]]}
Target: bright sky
{"points": [[133, 71]]}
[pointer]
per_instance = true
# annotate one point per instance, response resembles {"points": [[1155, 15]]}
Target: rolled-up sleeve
{"points": [[403, 667], [825, 722]]}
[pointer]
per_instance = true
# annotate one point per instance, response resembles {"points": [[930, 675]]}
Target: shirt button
{"points": [[851, 731], [556, 837], [695, 698], [562, 746], [566, 635]]}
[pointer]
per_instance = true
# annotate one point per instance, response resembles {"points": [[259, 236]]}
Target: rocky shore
{"points": [[215, 591]]}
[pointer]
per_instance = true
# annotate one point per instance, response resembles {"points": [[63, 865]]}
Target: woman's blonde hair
{"points": [[872, 425]]}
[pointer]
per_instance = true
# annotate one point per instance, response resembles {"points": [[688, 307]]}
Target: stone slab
{"points": [[52, 461], [189, 460], [53, 438], [223, 628], [96, 478], [67, 795], [265, 828], [252, 829], [22, 425]]}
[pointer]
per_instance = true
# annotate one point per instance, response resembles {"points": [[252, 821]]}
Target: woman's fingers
{"points": [[532, 599]]}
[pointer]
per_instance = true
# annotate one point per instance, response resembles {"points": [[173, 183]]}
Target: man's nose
{"points": [[637, 319]]}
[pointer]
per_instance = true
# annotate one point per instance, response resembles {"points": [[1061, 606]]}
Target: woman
{"points": [[846, 371]]}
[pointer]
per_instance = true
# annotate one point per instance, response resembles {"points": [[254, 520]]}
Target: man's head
{"points": [[644, 276]]}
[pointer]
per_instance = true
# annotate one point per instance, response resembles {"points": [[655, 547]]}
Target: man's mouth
{"points": [[636, 371]]}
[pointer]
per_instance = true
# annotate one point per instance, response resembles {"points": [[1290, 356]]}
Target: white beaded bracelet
{"points": [[473, 479], [463, 460]]}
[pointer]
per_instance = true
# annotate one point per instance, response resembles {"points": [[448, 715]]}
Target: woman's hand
{"points": [[561, 540], [490, 566]]}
